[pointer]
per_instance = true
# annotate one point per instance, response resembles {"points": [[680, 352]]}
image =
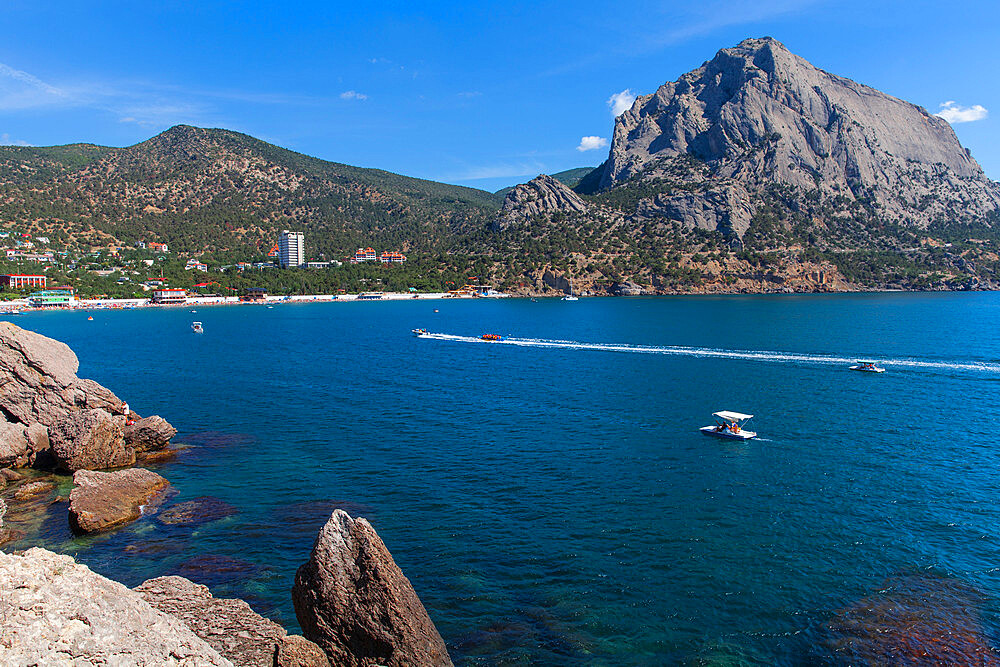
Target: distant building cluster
{"points": [[369, 255]]}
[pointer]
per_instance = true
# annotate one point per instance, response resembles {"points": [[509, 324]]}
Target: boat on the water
{"points": [[570, 297], [419, 332], [867, 367], [729, 425], [197, 328], [493, 338]]}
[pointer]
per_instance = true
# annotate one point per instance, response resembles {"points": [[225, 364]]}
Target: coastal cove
{"points": [[551, 500]]}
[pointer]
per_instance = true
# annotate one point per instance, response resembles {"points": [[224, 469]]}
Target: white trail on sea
{"points": [[707, 352]]}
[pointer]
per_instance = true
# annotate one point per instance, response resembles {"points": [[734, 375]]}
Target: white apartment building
{"points": [[291, 249]]}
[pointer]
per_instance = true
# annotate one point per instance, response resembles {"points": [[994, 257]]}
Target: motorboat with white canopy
{"points": [[729, 425], [867, 367]]}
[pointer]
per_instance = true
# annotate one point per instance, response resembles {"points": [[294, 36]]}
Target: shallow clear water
{"points": [[553, 502]]}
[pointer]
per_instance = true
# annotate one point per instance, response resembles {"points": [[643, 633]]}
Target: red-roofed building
{"points": [[393, 257], [20, 281], [364, 255], [158, 247]]}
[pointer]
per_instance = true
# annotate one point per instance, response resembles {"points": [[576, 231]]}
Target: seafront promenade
{"points": [[23, 305]]}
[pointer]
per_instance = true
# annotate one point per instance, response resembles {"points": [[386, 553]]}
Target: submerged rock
{"points": [[102, 500], [58, 612], [149, 434], [215, 570], [194, 512], [231, 627], [34, 489], [914, 620], [89, 440], [352, 599]]}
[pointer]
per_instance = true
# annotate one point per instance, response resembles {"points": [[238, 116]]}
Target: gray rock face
{"points": [[58, 612], [149, 434], [13, 443], [102, 500], [757, 114], [542, 195], [231, 627], [352, 599], [40, 382], [89, 440]]}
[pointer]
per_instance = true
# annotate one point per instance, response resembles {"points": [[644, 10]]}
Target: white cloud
{"points": [[591, 143], [5, 140], [20, 90], [353, 95], [621, 102], [956, 113]]}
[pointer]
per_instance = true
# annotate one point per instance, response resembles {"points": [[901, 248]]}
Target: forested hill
{"points": [[214, 190]]}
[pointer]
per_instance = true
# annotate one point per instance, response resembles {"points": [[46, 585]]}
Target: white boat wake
{"points": [[707, 352]]}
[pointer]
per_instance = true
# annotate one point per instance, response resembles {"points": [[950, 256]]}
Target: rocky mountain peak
{"points": [[542, 195], [757, 114]]}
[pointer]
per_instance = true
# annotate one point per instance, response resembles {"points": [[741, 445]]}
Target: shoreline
{"points": [[22, 306]]}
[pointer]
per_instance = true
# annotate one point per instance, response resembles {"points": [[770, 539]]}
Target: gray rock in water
{"points": [[352, 599], [103, 500], [89, 440], [149, 433], [757, 115], [58, 612], [542, 195], [231, 627], [42, 385]]}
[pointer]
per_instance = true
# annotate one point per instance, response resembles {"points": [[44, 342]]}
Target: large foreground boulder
{"points": [[13, 443], [149, 434], [40, 379], [102, 500], [89, 440], [231, 627], [352, 599], [58, 612]]}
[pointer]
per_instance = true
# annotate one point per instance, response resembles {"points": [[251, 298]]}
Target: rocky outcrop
{"points": [[757, 114], [626, 288], [58, 612], [89, 440], [231, 627], [149, 434], [13, 444], [39, 380], [102, 500], [352, 599], [543, 195]]}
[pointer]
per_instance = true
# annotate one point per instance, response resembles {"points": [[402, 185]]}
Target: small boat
{"points": [[867, 367], [419, 332], [729, 425], [90, 318], [493, 338], [197, 328], [570, 297]]}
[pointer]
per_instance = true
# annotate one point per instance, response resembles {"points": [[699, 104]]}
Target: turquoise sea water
{"points": [[551, 498]]}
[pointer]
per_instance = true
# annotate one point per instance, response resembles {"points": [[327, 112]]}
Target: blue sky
{"points": [[484, 95]]}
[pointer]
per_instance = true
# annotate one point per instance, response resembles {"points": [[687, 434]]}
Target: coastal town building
{"points": [[170, 295], [21, 281], [392, 257], [159, 247], [254, 295], [59, 296], [291, 249], [364, 255], [195, 264]]}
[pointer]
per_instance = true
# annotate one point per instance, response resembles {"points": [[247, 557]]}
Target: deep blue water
{"points": [[557, 505]]}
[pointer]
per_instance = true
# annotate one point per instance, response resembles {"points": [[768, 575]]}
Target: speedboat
{"points": [[197, 328], [419, 332], [867, 367], [729, 425], [493, 338]]}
